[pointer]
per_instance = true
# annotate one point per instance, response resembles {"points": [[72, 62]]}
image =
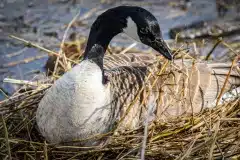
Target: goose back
{"points": [[183, 88]]}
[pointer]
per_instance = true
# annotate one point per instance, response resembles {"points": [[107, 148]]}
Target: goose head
{"points": [[136, 22], [143, 27]]}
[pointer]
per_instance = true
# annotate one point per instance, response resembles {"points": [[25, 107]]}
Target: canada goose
{"points": [[93, 95]]}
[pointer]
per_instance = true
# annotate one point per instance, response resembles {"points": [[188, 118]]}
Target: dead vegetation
{"points": [[212, 134]]}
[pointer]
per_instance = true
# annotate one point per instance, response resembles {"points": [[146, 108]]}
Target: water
{"points": [[44, 22]]}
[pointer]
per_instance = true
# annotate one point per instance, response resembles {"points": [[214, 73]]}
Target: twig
{"points": [[230, 48], [195, 49], [6, 137], [214, 140], [188, 152], [29, 44], [89, 13], [214, 47], [65, 66], [4, 93], [176, 38], [24, 61], [189, 89], [230, 119], [184, 53], [29, 156], [10, 55], [169, 133], [16, 97], [128, 48], [23, 82], [225, 82], [132, 150], [23, 141]]}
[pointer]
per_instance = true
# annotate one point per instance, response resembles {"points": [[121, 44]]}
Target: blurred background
{"points": [[198, 25]]}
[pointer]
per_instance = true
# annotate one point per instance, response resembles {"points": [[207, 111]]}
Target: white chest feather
{"points": [[76, 106]]}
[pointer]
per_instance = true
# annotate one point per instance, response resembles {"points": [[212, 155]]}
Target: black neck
{"points": [[107, 25], [98, 38]]}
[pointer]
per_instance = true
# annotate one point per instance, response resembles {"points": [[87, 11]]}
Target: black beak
{"points": [[160, 46]]}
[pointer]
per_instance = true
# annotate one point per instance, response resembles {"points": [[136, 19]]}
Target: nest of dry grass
{"points": [[213, 134]]}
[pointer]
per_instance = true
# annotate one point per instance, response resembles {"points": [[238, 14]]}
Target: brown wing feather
{"points": [[128, 59], [185, 88]]}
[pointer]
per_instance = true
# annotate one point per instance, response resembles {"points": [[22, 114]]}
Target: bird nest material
{"points": [[213, 134]]}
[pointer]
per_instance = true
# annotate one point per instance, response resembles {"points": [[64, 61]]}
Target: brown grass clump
{"points": [[213, 134]]}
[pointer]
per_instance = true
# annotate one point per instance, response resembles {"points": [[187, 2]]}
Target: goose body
{"points": [[95, 94]]}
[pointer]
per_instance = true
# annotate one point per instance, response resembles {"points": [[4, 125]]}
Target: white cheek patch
{"points": [[131, 30]]}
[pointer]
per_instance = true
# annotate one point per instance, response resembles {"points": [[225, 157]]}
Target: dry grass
{"points": [[213, 134], [206, 135]]}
